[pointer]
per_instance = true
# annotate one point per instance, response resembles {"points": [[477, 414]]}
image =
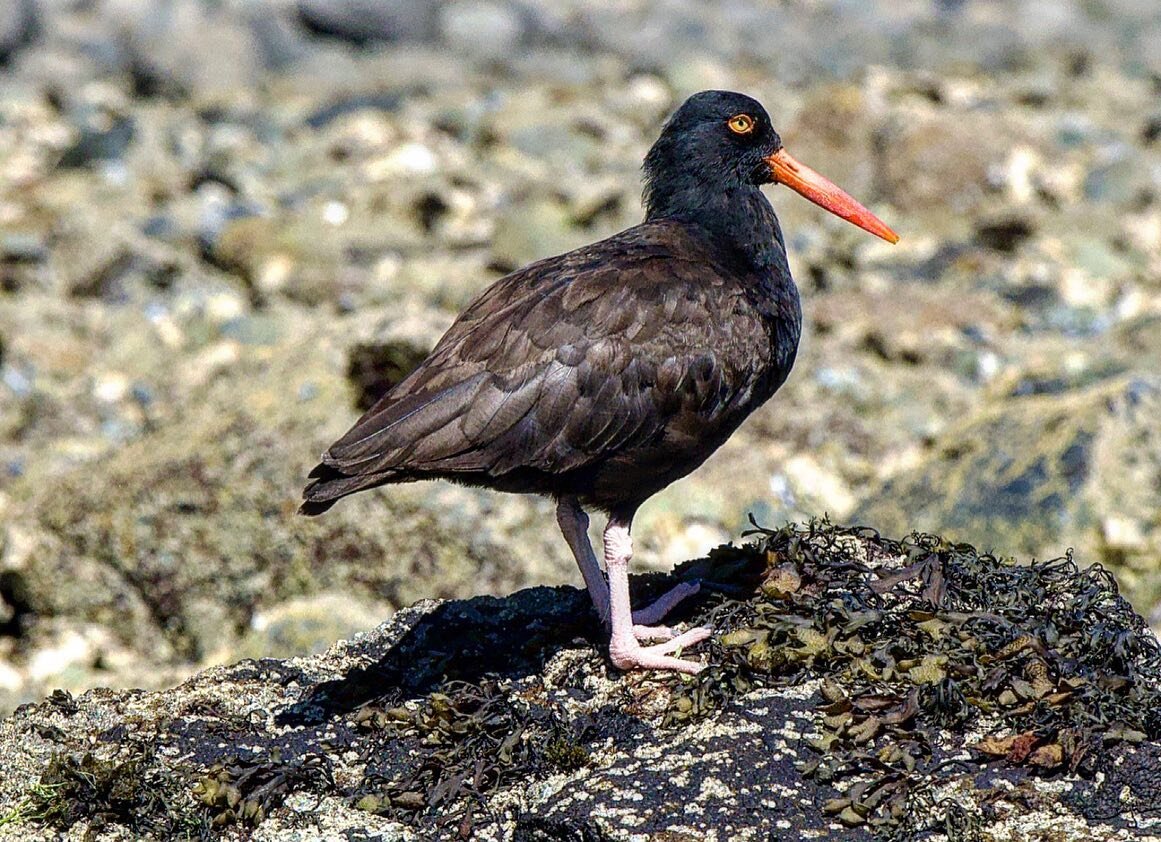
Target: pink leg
{"points": [[624, 647], [574, 525], [655, 611]]}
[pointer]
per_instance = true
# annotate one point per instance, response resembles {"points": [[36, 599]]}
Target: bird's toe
{"points": [[655, 612], [632, 655], [654, 632]]}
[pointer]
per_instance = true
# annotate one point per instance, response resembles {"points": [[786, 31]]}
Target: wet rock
{"points": [[103, 137], [1042, 473], [1004, 234]]}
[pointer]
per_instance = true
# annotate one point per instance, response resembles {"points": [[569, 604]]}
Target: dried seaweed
{"points": [[932, 662]]}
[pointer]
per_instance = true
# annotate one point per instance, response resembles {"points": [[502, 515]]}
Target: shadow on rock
{"points": [[498, 637], [460, 640]]}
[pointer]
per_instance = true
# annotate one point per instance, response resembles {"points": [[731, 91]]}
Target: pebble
{"points": [[408, 159], [70, 649], [364, 21], [17, 247], [111, 388], [479, 28], [102, 137]]}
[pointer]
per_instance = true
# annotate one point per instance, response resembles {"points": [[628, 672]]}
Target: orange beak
{"points": [[826, 194]]}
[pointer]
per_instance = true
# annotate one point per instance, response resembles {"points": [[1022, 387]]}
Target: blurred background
{"points": [[225, 225]]}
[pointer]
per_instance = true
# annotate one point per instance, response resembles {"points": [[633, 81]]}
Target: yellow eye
{"points": [[741, 124]]}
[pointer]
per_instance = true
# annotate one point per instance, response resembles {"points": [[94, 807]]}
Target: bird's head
{"points": [[719, 140]]}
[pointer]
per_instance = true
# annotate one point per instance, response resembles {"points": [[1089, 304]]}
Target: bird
{"points": [[600, 376]]}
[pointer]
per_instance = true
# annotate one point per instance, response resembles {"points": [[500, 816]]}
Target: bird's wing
{"points": [[570, 358]]}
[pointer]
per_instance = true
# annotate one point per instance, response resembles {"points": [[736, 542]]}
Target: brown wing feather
{"points": [[566, 361]]}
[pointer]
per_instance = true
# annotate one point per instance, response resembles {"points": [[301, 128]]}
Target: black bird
{"points": [[600, 376]]}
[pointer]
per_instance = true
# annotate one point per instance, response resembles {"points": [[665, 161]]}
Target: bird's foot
{"points": [[655, 611], [654, 632], [631, 654]]}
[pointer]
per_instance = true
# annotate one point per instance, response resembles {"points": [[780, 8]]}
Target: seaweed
{"points": [[128, 789], [464, 742], [1046, 662], [245, 790]]}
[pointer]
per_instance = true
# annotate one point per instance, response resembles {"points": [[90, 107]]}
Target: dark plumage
{"points": [[600, 376]]}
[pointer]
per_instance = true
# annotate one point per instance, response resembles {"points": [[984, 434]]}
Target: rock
{"points": [[1116, 177], [909, 325], [850, 677], [375, 366], [18, 247], [937, 161], [179, 305], [365, 21], [1004, 233], [327, 114], [485, 29], [167, 46], [308, 625], [534, 230], [19, 24], [283, 255], [177, 540], [1041, 473], [102, 137]]}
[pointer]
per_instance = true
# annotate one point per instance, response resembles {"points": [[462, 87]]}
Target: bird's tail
{"points": [[329, 485]]}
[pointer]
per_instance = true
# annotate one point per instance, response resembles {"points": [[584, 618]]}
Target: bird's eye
{"points": [[741, 124]]}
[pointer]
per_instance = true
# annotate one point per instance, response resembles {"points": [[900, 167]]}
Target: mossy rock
{"points": [[1038, 474], [175, 541]]}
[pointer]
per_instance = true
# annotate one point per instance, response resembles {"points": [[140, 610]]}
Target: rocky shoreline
{"points": [[206, 263]]}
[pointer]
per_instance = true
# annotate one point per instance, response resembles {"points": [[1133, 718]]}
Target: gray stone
{"points": [[531, 231], [363, 21], [486, 29], [19, 25]]}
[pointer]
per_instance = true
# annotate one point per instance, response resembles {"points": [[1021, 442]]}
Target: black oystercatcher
{"points": [[600, 376]]}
